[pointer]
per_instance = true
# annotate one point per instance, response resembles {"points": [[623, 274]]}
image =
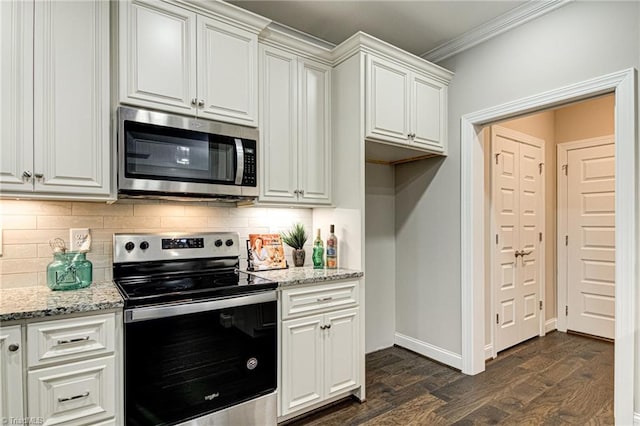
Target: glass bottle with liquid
{"points": [[332, 249], [318, 252]]}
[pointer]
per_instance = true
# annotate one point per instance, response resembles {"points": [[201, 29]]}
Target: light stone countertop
{"points": [[306, 275], [40, 301]]}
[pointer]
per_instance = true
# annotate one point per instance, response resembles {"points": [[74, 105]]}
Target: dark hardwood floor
{"points": [[558, 379]]}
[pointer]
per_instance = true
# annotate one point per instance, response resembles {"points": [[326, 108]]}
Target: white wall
{"points": [[380, 256], [574, 43]]}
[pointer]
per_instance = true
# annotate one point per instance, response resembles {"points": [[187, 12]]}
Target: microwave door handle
{"points": [[240, 161]]}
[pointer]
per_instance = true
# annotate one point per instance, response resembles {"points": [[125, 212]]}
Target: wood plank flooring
{"points": [[558, 379]]}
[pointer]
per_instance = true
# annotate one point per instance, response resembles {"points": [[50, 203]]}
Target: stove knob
{"points": [[229, 243], [218, 243], [129, 246], [144, 245]]}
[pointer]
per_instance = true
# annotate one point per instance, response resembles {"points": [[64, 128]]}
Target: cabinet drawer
{"points": [[69, 339], [309, 300], [78, 393]]}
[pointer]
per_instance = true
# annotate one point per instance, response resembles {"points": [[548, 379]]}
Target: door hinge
{"points": [[496, 238], [566, 310], [541, 305], [565, 167], [566, 240], [540, 236], [497, 318], [540, 167], [497, 155]]}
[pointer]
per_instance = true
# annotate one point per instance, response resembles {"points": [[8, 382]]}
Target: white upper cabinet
{"points": [[295, 129], [16, 95], [158, 56], [175, 60], [56, 136], [387, 107], [227, 72], [404, 106]]}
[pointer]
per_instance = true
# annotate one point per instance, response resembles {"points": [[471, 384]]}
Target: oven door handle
{"points": [[239, 161], [166, 311]]}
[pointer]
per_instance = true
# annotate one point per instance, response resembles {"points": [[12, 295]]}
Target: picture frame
{"points": [[265, 252]]}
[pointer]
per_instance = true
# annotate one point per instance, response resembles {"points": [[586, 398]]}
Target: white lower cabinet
{"points": [[76, 393], [72, 368], [321, 353], [11, 386]]}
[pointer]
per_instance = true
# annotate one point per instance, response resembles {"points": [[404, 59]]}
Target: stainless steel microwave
{"points": [[169, 156]]}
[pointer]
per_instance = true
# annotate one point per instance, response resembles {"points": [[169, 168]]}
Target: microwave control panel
{"points": [[249, 178]]}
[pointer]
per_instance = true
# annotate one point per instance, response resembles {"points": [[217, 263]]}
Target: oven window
{"points": [[186, 366], [163, 153]]}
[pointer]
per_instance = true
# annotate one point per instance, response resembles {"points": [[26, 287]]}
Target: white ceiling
{"points": [[415, 26]]}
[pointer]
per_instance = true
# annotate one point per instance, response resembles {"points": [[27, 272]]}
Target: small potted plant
{"points": [[295, 238]]}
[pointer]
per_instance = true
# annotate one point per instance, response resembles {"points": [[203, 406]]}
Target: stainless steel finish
{"points": [[155, 252], [165, 311], [26, 175], [71, 398], [259, 411], [205, 191], [13, 347], [240, 160], [79, 339], [201, 103]]}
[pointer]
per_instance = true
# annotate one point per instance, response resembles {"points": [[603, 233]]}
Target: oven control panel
{"points": [[182, 243], [166, 246]]}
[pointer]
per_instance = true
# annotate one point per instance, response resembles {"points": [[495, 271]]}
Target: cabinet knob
{"points": [[194, 101], [39, 176], [301, 192], [13, 347], [201, 103], [26, 175]]}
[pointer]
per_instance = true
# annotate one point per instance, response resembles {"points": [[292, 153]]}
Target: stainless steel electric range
{"points": [[199, 336]]}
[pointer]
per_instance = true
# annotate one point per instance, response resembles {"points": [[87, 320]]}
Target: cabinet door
{"points": [[302, 363], [71, 98], [428, 112], [16, 95], [278, 151], [314, 133], [227, 72], [157, 56], [341, 351], [11, 404], [387, 101], [79, 393]]}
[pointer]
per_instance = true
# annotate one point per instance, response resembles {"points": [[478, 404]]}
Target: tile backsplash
{"points": [[27, 227]]}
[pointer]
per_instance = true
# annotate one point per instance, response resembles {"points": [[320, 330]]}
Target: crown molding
{"points": [[279, 35], [228, 13], [514, 18]]}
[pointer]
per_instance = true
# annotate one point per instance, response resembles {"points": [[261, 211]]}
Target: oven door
{"points": [[203, 359]]}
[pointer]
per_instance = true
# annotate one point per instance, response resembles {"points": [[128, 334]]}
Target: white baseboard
{"points": [[488, 351], [434, 352], [550, 325], [636, 419]]}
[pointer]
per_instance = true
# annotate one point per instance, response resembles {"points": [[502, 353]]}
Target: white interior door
{"points": [[590, 242], [518, 209]]}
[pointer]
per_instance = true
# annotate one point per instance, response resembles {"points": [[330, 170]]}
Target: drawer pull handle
{"points": [[79, 339], [324, 299], [71, 398]]}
